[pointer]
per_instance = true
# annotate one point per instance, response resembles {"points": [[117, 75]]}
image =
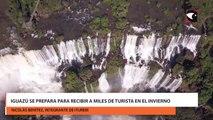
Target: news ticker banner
{"points": [[97, 103]]}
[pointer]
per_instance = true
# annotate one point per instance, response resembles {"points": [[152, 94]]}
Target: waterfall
{"points": [[96, 48], [103, 83], [156, 79], [150, 48], [146, 50], [186, 41], [134, 75], [36, 70], [72, 50], [139, 52], [26, 72]]}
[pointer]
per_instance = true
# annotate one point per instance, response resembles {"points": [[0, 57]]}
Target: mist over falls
{"points": [[38, 70]]}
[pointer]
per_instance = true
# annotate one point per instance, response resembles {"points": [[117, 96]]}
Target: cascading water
{"points": [[24, 73], [133, 75], [146, 50], [103, 84], [71, 50], [139, 52], [36, 70], [150, 47], [186, 41]]}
